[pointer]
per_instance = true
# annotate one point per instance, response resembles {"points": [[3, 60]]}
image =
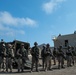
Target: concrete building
{"points": [[65, 40]]}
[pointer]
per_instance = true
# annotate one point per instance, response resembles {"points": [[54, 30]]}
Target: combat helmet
{"points": [[48, 44], [35, 43]]}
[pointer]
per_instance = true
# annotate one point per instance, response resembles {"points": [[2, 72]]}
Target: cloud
{"points": [[14, 33], [12, 26], [7, 31], [7, 19], [51, 6]]}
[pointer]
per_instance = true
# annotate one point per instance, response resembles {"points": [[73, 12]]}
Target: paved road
{"points": [[66, 71]]}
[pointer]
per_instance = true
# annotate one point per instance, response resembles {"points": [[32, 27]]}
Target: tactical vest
{"points": [[69, 53], [48, 52], [35, 52], [9, 53], [23, 52]]}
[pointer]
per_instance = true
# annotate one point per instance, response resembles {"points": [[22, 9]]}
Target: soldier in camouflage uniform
{"points": [[0, 61], [69, 56], [43, 56], [9, 58], [1, 49], [73, 55], [54, 55], [35, 56], [48, 58], [60, 57], [3, 57], [22, 56]]}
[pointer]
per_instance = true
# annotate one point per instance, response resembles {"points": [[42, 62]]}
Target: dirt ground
{"points": [[55, 71]]}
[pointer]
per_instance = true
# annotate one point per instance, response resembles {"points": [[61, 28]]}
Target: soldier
{"points": [[60, 56], [73, 55], [35, 56], [1, 46], [69, 56], [54, 55], [9, 58], [3, 57], [48, 57], [0, 60], [43, 55], [22, 56]]}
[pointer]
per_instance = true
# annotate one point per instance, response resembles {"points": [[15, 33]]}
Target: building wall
{"points": [[61, 40]]}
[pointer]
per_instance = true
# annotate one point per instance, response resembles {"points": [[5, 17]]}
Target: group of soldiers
{"points": [[7, 57], [58, 54]]}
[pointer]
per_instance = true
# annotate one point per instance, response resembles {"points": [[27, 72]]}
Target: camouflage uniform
{"points": [[73, 55], [54, 55], [0, 62], [9, 58], [22, 56], [35, 56], [48, 57], [3, 57], [69, 56], [43, 56], [60, 57]]}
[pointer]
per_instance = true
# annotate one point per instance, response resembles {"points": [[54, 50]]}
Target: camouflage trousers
{"points": [[20, 64], [0, 63], [4, 63], [69, 60], [36, 62], [54, 60], [43, 62], [75, 59], [9, 62], [48, 62], [60, 62]]}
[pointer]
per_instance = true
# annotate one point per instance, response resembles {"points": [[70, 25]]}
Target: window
{"points": [[66, 43]]}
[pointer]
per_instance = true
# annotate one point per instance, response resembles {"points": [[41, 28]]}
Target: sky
{"points": [[36, 20]]}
